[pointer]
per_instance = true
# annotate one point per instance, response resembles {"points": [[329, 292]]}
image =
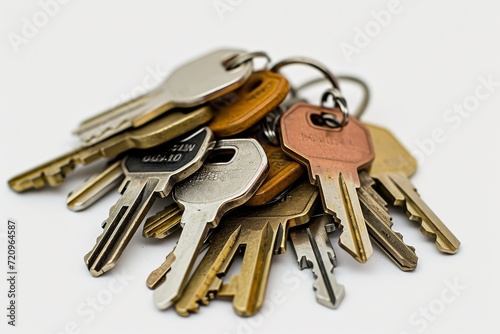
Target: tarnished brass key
{"points": [[256, 233], [241, 109], [391, 168], [333, 157], [162, 130], [216, 188], [193, 83], [379, 224]]}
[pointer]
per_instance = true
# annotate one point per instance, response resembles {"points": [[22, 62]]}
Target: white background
{"points": [[90, 54]]}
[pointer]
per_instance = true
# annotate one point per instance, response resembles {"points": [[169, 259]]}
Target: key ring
{"points": [[269, 124], [339, 101], [366, 91], [242, 58]]}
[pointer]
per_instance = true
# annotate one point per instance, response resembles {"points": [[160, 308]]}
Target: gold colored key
{"points": [[392, 166], [257, 234], [163, 223], [283, 172], [239, 110], [379, 225], [152, 134]]}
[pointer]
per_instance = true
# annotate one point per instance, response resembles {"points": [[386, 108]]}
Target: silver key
{"points": [[96, 187], [205, 197], [196, 82], [148, 175], [314, 250]]}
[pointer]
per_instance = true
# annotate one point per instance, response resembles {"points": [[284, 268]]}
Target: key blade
{"points": [[157, 276], [51, 173], [124, 116], [340, 199], [221, 246], [379, 224], [314, 250], [185, 253], [124, 219], [403, 192], [96, 187], [153, 134], [193, 83], [163, 223]]}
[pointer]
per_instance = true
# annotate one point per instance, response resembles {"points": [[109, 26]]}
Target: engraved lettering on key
{"points": [[333, 160], [143, 182]]}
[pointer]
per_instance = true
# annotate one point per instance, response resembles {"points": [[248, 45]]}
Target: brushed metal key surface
{"points": [[193, 83], [148, 175]]}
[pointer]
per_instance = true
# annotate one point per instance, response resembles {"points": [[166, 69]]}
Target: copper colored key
{"points": [[237, 111], [333, 157]]}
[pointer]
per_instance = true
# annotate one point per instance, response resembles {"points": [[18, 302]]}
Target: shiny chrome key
{"points": [[333, 157], [391, 168], [216, 188], [314, 250], [196, 82], [148, 174]]}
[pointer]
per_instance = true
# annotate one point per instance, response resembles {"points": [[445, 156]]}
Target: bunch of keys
{"points": [[246, 171]]}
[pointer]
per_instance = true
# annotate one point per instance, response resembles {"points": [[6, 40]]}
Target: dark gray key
{"points": [[148, 175]]}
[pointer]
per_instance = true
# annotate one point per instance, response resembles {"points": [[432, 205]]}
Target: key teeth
{"points": [[426, 229], [91, 137]]}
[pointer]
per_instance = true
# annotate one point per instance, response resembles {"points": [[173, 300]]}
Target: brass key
{"points": [[392, 167], [379, 224], [256, 233], [163, 223], [152, 134], [333, 157], [239, 110]]}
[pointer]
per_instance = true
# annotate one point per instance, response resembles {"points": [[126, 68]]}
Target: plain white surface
{"points": [[90, 55]]}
